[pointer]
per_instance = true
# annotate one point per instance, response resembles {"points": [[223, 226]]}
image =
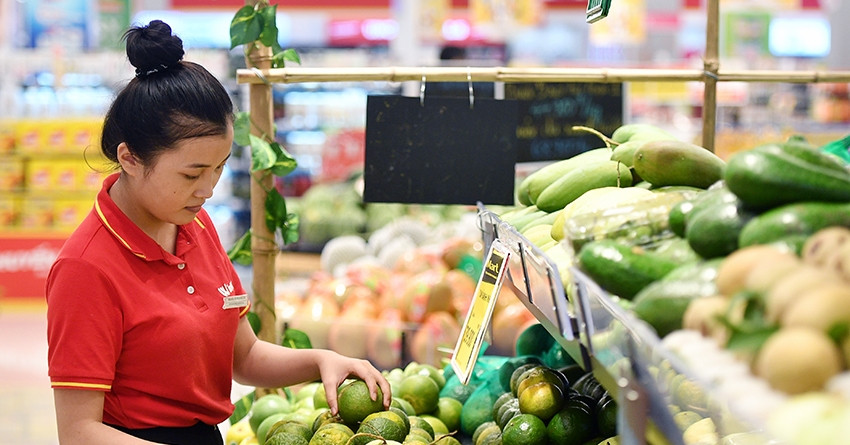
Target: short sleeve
{"points": [[84, 326]]}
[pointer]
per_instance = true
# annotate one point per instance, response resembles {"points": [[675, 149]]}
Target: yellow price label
{"points": [[480, 311]]}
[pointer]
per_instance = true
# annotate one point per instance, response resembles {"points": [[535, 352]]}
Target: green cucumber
{"points": [[576, 182], [622, 270], [805, 152], [677, 163], [536, 182], [802, 218], [663, 303], [713, 232], [766, 179]]}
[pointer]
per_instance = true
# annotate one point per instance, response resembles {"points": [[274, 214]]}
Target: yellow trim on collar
{"points": [[198, 220], [81, 385], [109, 227]]}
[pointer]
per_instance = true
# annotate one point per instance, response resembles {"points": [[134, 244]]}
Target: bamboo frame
{"points": [[506, 74]]}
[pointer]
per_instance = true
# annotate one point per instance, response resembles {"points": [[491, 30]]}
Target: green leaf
{"points": [[268, 36], [288, 55], [263, 155], [295, 339], [290, 231], [750, 339], [254, 321], [240, 253], [275, 210], [839, 331], [284, 162], [242, 128], [242, 407], [245, 27]]}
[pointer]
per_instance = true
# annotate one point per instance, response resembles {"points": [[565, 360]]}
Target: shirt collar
{"points": [[132, 237]]}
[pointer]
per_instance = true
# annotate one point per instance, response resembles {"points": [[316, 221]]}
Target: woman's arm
{"points": [[79, 416], [266, 365]]}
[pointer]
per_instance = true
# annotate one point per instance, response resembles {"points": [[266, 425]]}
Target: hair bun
{"points": [[153, 47]]}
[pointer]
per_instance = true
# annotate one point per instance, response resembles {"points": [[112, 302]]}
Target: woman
{"points": [[146, 325]]}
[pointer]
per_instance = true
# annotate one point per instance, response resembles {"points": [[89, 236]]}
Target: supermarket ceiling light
{"points": [[456, 30]]}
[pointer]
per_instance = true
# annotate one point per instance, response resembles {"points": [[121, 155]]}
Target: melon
{"points": [[384, 343], [314, 318], [427, 292]]}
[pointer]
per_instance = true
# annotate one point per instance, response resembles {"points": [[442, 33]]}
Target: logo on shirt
{"points": [[226, 289], [232, 301]]}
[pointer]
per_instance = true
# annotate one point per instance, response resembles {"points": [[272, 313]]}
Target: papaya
{"points": [[576, 182], [669, 162], [627, 132], [536, 182]]}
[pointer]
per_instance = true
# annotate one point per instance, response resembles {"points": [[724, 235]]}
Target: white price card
{"points": [[480, 311]]}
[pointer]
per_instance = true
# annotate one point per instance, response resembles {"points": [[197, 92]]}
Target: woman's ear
{"points": [[129, 162]]}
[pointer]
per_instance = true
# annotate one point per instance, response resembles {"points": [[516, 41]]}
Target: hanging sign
{"points": [[548, 111], [597, 10], [439, 150], [480, 311]]}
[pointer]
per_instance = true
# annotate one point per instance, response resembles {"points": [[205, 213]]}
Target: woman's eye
{"points": [[192, 178]]}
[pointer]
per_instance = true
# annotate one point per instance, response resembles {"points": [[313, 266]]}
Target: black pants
{"points": [[198, 434]]}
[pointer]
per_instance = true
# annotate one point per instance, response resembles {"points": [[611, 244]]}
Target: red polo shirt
{"points": [[155, 331]]}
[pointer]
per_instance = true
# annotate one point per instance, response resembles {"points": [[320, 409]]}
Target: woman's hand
{"points": [[335, 368]]}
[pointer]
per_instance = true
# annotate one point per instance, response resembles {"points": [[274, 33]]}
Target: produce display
{"points": [[399, 295], [738, 265], [537, 396]]}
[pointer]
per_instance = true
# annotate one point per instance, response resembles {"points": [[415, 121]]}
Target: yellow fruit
{"points": [[701, 432], [402, 423], [539, 375], [798, 359], [355, 402], [436, 424], [421, 392], [238, 432], [332, 434], [542, 400], [733, 270], [789, 289], [821, 307]]}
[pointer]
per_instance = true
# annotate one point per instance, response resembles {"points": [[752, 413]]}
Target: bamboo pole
{"points": [[505, 74], [264, 250], [711, 65]]}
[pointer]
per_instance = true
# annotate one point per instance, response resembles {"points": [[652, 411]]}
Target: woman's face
{"points": [[174, 188]]}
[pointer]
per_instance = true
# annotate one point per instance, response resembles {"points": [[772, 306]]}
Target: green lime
{"points": [[355, 402], [484, 429], [448, 411], [571, 425], [524, 429], [422, 424], [285, 438], [422, 392], [518, 372], [384, 427], [534, 340]]}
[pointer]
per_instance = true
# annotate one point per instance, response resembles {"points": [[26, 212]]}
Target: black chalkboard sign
{"points": [[440, 150], [548, 111]]}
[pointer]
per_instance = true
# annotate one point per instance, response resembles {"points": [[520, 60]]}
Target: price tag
{"points": [[480, 311], [597, 9]]}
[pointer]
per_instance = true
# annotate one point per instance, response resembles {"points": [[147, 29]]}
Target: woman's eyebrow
{"points": [[199, 165]]}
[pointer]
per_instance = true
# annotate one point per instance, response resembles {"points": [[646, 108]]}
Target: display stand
{"points": [[618, 348]]}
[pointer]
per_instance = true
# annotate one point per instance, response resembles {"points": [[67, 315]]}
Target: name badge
{"points": [[235, 301]]}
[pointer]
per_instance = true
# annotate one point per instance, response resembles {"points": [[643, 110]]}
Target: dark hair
{"points": [[169, 99]]}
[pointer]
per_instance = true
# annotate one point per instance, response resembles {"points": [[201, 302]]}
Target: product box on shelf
{"points": [[10, 212], [11, 174]]}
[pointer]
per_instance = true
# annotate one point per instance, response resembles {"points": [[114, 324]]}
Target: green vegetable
{"points": [[712, 231], [786, 222], [622, 270], [576, 182], [770, 176], [534, 184]]}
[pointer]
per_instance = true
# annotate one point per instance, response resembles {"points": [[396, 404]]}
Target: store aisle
{"points": [[26, 401]]}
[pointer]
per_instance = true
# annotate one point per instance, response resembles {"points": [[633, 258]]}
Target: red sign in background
{"points": [[24, 263]]}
